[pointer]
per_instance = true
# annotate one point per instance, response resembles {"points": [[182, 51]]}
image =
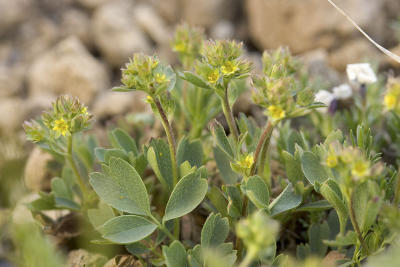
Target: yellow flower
{"points": [[390, 101], [160, 78], [276, 112], [213, 76], [331, 161], [61, 127], [179, 47], [246, 162], [229, 68], [360, 169], [149, 99], [84, 111]]}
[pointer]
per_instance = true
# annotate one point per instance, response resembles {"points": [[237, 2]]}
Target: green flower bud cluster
{"points": [[391, 99], [187, 43], [146, 73], [243, 165], [67, 116], [221, 62], [279, 91], [350, 162], [258, 232]]}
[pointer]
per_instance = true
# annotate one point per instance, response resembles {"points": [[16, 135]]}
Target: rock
{"points": [[82, 258], [68, 68], [36, 174], [76, 22], [308, 24], [11, 79], [169, 9], [12, 114], [35, 105], [21, 214], [206, 13], [222, 30], [13, 12], [35, 37], [353, 52], [317, 65], [115, 103], [152, 24], [116, 32]]}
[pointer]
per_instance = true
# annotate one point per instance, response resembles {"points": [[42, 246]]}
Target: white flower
{"points": [[361, 73], [325, 97], [342, 91]]}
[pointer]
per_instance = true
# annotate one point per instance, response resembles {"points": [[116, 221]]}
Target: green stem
{"points": [[355, 223], [229, 115], [74, 168], [172, 150], [247, 260], [163, 228], [397, 192]]}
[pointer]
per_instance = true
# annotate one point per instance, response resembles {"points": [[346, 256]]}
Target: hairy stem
{"points": [[355, 224], [172, 149], [262, 148], [238, 241], [229, 115], [74, 168], [397, 192]]}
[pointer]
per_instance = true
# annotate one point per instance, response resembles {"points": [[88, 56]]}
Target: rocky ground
{"points": [[48, 47]]}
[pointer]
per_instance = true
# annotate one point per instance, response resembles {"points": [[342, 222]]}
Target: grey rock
{"points": [[68, 68], [116, 32], [309, 24]]}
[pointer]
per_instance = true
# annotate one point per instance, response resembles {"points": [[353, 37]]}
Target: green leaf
{"points": [[189, 151], [194, 79], [175, 255], [341, 241], [99, 216], [312, 168], [137, 249], [217, 200], [331, 192], [116, 153], [234, 198], [222, 140], [122, 89], [123, 189], [122, 140], [293, 167], [257, 191], [186, 196], [367, 201], [159, 158], [319, 205], [99, 153], [44, 202], [224, 166], [127, 229], [63, 195], [316, 234], [215, 231], [196, 256], [286, 201]]}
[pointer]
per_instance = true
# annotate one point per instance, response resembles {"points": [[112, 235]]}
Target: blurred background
{"points": [[53, 47]]}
